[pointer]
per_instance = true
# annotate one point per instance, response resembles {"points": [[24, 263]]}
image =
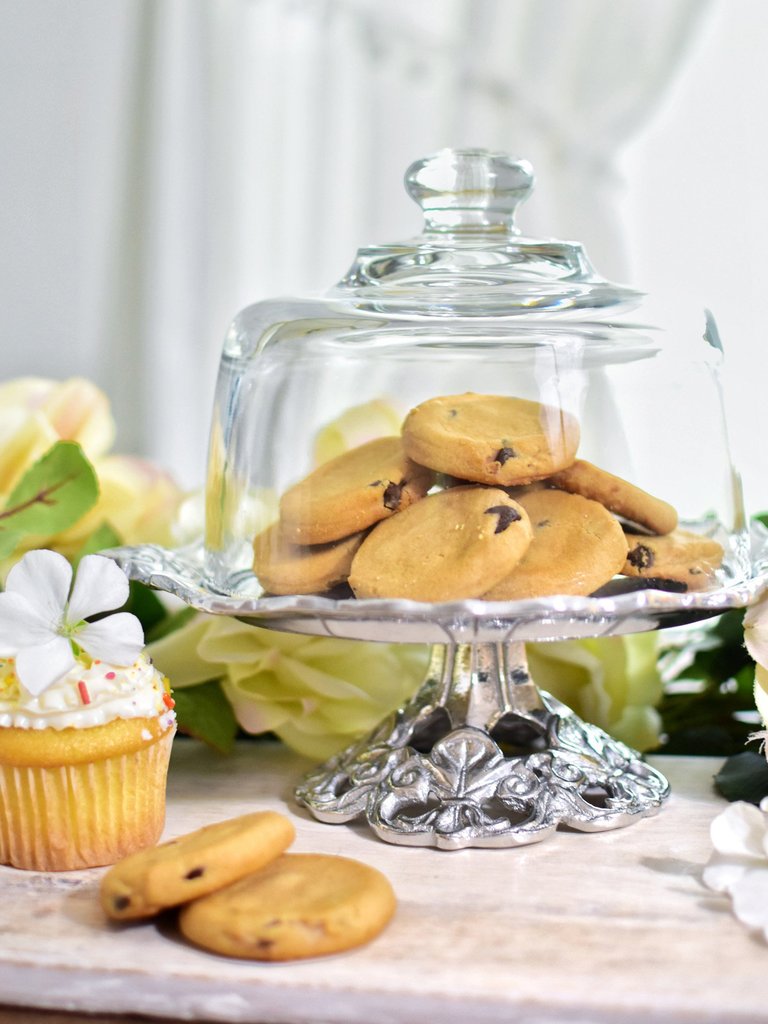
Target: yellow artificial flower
{"points": [[35, 413], [761, 692], [355, 426], [136, 499], [756, 642], [612, 682], [316, 693], [756, 631]]}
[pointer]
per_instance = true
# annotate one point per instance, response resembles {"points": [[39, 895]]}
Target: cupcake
{"points": [[86, 721]]}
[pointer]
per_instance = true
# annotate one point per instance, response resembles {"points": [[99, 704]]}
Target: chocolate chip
{"points": [[452, 413], [195, 873], [506, 516], [392, 496], [543, 522], [121, 902], [504, 455], [641, 557]]}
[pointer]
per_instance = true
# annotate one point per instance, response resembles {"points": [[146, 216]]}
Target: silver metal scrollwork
{"points": [[480, 757]]}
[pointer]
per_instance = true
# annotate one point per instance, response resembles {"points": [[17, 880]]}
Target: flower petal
{"points": [[100, 586], [43, 578], [38, 667], [721, 874], [756, 631], [254, 715], [739, 830], [750, 898], [761, 692], [117, 639], [176, 654], [21, 625]]}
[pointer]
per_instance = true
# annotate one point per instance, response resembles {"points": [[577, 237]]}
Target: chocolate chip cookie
{"points": [[301, 905], [453, 545], [619, 496], [577, 546], [194, 864], [490, 439], [352, 492], [286, 568], [681, 556]]}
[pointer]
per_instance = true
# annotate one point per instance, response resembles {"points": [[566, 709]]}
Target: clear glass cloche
{"points": [[471, 415]]}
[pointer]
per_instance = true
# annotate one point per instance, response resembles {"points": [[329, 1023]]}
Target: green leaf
{"points": [[144, 603], [204, 712], [743, 777], [170, 624], [53, 494], [103, 537]]}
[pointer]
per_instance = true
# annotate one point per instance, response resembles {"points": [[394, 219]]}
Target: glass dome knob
{"points": [[469, 190]]}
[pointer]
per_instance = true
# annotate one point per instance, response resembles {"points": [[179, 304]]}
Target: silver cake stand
{"points": [[480, 756]]}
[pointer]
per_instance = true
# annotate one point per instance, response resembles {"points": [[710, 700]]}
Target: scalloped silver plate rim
{"points": [[163, 569]]}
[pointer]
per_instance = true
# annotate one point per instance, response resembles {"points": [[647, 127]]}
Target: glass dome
{"points": [[509, 378]]}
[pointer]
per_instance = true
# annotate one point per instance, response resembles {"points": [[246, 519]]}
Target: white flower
{"points": [[739, 865], [756, 631], [40, 619]]}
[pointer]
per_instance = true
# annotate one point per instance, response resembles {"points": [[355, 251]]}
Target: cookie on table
{"points": [[680, 556], [194, 864], [352, 492], [491, 439], [453, 545], [619, 496], [577, 546], [286, 568], [301, 905]]}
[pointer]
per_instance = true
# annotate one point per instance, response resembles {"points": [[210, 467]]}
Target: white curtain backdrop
{"points": [[245, 148], [263, 140]]}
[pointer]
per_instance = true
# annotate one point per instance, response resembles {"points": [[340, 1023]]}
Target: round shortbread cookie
{"points": [[286, 568], [452, 545], [491, 439], [617, 495], [194, 864], [352, 492], [681, 556], [577, 546], [301, 905]]}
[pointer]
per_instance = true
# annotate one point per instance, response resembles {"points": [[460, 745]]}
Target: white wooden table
{"points": [[580, 928]]}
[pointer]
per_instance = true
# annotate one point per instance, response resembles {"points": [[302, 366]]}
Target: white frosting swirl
{"points": [[85, 697]]}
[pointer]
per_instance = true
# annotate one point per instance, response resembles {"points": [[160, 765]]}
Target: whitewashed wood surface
{"points": [[612, 927]]}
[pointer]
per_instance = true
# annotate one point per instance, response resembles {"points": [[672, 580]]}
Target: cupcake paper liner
{"points": [[83, 815]]}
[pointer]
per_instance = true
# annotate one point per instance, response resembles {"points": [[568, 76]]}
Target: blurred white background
{"points": [[166, 162]]}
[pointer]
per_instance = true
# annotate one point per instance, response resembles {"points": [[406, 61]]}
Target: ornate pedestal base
{"points": [[481, 757]]}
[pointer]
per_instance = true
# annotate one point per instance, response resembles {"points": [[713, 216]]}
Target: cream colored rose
{"points": [[355, 426], [136, 499], [612, 682], [317, 694], [756, 642], [761, 693], [35, 413]]}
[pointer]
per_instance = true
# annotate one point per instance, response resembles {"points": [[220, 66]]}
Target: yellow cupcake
{"points": [[83, 765]]}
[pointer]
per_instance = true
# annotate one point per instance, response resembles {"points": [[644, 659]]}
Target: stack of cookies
{"points": [[481, 496], [239, 893]]}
